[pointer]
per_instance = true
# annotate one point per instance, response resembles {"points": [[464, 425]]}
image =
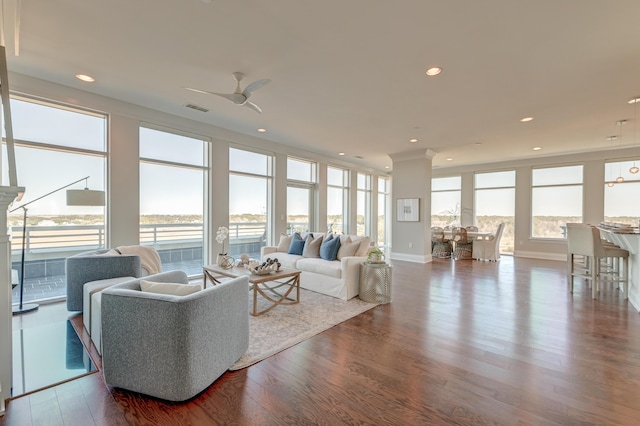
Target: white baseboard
{"points": [[412, 257], [562, 257]]}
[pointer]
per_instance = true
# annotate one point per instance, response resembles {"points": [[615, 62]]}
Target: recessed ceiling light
{"points": [[387, 167], [341, 153], [526, 119], [261, 130], [537, 148], [634, 100], [414, 140], [433, 71], [449, 159], [85, 77]]}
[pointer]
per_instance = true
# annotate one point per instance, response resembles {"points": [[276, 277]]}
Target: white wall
{"points": [[411, 241]]}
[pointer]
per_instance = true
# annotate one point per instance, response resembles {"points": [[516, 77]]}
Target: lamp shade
{"points": [[85, 197]]}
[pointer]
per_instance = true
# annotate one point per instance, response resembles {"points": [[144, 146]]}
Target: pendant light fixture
{"points": [[634, 169], [620, 123]]}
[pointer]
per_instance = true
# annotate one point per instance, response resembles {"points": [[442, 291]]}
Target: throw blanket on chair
{"points": [[149, 258]]}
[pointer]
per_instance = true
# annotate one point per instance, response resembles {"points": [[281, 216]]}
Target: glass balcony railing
{"points": [[179, 246]]}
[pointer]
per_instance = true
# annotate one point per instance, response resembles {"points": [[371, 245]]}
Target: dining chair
{"points": [[441, 246], [463, 247], [471, 228], [488, 248]]}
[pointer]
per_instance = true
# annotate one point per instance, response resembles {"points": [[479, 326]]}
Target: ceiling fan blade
{"points": [[199, 91], [236, 98], [253, 106], [254, 86]]}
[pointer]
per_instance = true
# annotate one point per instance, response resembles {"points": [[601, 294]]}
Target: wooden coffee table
{"points": [[274, 287]]}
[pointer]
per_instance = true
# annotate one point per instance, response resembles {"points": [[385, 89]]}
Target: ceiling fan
{"points": [[239, 97]]}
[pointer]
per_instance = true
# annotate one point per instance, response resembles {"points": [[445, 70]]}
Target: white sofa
{"points": [[337, 278]]}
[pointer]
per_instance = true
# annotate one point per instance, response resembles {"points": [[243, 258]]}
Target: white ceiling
{"points": [[349, 75]]}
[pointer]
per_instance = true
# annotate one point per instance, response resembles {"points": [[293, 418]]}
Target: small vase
{"points": [[226, 261]]}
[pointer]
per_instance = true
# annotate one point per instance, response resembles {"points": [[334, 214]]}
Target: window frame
{"points": [[205, 168], [555, 185]]}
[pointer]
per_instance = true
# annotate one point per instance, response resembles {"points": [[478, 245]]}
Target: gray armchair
{"points": [[172, 347], [95, 265]]}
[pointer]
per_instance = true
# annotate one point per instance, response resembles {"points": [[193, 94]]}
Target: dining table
{"points": [[471, 235], [448, 234]]}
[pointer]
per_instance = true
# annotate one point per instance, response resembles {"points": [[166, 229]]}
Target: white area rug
{"points": [[287, 325]]}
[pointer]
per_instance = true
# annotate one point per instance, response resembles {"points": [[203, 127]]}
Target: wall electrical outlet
{"points": [[410, 245]]}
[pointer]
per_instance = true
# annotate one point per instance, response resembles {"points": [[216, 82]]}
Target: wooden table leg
{"points": [[209, 275], [294, 282]]}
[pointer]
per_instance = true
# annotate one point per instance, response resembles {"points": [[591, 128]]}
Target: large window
{"points": [[384, 195], [495, 203], [621, 198], [445, 200], [301, 187], [55, 145], [173, 176], [364, 205], [250, 182], [337, 199], [556, 199]]}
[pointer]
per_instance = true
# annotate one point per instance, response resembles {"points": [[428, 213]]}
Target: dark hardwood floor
{"points": [[462, 343]]}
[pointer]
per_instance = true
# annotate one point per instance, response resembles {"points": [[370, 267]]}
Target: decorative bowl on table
{"points": [[269, 266]]}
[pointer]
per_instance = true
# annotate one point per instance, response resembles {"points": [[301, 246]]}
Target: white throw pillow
{"points": [[111, 252], [285, 242], [168, 288], [365, 245], [312, 246], [347, 249]]}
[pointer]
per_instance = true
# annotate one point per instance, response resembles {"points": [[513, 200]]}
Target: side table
{"points": [[375, 282]]}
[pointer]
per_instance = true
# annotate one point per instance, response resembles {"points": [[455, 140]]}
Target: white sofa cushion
{"points": [[320, 266], [286, 260]]}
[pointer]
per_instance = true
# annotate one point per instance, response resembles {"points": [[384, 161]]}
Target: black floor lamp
{"points": [[75, 197]]}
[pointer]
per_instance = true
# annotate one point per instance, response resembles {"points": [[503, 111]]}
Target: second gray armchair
{"points": [[172, 347]]}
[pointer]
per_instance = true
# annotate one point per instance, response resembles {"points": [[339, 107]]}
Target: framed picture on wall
{"points": [[408, 209]]}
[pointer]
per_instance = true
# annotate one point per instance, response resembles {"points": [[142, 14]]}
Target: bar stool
{"points": [[584, 240]]}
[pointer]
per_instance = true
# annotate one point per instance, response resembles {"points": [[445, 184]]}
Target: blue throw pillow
{"points": [[329, 248], [297, 244]]}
